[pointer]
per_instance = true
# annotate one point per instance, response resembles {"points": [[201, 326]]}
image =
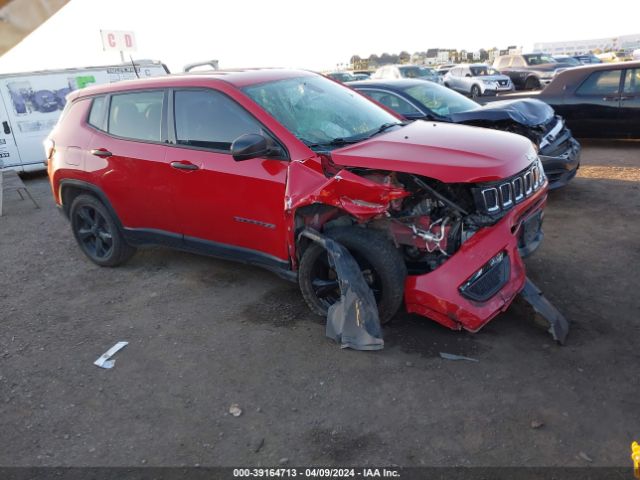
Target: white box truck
{"points": [[30, 104]]}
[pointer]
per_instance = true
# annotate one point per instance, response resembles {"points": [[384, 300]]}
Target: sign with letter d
{"points": [[119, 40]]}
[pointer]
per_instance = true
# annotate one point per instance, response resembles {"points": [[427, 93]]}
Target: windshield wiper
{"points": [[336, 142], [340, 141], [386, 126]]}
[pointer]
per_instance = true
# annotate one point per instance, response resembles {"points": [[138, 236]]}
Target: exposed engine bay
{"points": [[426, 223]]}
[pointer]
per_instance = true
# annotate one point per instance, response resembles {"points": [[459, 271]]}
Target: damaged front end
{"points": [[462, 243], [535, 120]]}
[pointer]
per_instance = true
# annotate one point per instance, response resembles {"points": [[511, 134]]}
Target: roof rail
{"points": [[212, 63]]}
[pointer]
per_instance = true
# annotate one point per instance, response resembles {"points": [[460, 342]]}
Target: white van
{"points": [[30, 104]]}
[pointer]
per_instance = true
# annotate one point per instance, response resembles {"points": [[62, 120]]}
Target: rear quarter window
{"points": [[96, 114]]}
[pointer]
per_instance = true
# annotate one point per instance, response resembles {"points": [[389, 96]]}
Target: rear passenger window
{"points": [[96, 116], [604, 82], [137, 115], [209, 119]]}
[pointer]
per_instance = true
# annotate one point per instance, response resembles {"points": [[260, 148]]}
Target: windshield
{"points": [[319, 111], [416, 72], [482, 71], [538, 59], [440, 100]]}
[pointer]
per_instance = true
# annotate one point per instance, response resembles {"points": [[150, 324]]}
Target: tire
{"points": [[383, 268], [97, 232], [475, 91], [532, 83], [446, 84]]}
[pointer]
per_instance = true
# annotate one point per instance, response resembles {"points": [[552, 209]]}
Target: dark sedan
{"points": [[418, 100], [600, 100]]}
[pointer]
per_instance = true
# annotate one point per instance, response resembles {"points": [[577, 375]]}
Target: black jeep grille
{"points": [[497, 197]]}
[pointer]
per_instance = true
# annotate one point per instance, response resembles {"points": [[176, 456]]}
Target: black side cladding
{"points": [[353, 320], [558, 325]]}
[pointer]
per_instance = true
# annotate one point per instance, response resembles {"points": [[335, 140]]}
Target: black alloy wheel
{"points": [[97, 232]]}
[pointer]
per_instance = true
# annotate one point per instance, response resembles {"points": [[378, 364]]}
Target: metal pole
{"points": [[122, 56]]}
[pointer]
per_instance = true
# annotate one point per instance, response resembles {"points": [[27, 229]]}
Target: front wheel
{"points": [[381, 263], [475, 91], [532, 83], [97, 232]]}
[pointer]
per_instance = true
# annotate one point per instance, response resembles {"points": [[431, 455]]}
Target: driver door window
{"points": [[209, 119]]}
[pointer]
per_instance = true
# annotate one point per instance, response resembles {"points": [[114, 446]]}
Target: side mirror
{"points": [[248, 146]]}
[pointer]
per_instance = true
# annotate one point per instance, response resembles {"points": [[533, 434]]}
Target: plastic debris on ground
{"points": [[558, 325], [451, 356], [353, 320], [104, 361], [235, 410]]}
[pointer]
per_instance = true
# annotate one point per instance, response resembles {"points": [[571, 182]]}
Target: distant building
{"points": [[577, 47], [431, 57], [443, 56], [476, 56]]}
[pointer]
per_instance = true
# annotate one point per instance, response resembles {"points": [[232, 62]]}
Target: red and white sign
{"points": [[120, 40]]}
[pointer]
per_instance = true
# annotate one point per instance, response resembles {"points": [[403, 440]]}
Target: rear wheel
{"points": [[97, 232], [532, 83], [475, 91], [382, 266]]}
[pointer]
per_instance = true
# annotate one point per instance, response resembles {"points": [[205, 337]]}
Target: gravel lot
{"points": [[204, 334]]}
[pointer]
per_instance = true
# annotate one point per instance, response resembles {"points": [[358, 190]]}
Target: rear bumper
{"points": [[561, 168], [437, 295]]}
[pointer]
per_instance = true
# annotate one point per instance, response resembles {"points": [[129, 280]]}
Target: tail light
{"points": [[49, 149]]}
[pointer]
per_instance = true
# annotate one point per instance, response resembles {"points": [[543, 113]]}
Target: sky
{"points": [[316, 35]]}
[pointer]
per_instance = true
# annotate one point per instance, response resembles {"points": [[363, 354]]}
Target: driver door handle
{"points": [[101, 152], [184, 165]]}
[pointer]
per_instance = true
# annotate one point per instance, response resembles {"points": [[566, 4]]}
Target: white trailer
{"points": [[30, 104]]}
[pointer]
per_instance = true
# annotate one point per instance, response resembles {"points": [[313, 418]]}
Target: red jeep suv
{"points": [[238, 164]]}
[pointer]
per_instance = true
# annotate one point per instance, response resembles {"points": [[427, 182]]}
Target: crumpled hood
{"points": [[528, 112], [447, 152]]}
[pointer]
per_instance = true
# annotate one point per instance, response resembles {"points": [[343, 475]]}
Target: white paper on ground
{"points": [[103, 361]]}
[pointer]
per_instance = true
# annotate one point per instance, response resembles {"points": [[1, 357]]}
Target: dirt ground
{"points": [[204, 334]]}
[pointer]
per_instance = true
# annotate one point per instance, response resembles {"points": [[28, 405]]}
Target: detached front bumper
{"points": [[443, 295]]}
